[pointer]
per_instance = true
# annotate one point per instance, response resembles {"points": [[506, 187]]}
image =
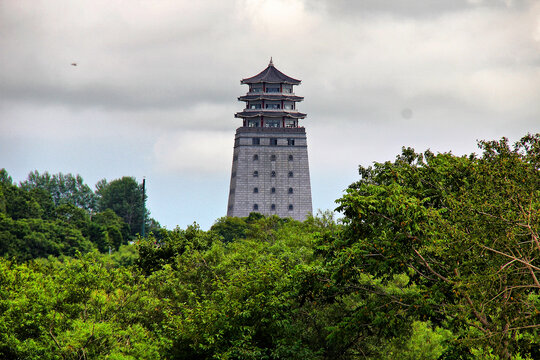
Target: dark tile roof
{"points": [[271, 75], [270, 97], [254, 113]]}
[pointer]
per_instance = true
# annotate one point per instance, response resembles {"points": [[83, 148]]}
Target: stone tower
{"points": [[270, 170]]}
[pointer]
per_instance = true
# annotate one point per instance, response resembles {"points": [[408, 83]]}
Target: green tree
{"points": [[32, 226], [64, 189], [125, 197], [76, 309], [464, 229]]}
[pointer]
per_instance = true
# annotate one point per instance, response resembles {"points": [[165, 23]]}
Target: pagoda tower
{"points": [[270, 170]]}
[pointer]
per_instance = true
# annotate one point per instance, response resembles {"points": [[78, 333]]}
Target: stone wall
{"points": [[275, 169]]}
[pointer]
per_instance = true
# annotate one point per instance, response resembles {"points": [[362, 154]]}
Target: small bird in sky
{"points": [[73, 64]]}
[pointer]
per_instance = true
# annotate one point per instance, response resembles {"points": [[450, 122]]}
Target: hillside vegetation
{"points": [[435, 257]]}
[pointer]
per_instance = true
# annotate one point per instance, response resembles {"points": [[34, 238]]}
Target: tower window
{"points": [[273, 142], [253, 123], [271, 123], [255, 157], [291, 174], [273, 207], [290, 142], [273, 190], [273, 173], [256, 141], [272, 157], [290, 158], [272, 89], [291, 207], [255, 173], [256, 207], [291, 190], [255, 190], [290, 123]]}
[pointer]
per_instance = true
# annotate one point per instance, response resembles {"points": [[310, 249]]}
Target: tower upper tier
{"points": [[271, 75], [270, 101]]}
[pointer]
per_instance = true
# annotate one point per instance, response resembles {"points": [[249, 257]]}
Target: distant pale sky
{"points": [[155, 86]]}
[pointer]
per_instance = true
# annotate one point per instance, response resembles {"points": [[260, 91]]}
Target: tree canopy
{"points": [[56, 215], [435, 257], [125, 197], [63, 189]]}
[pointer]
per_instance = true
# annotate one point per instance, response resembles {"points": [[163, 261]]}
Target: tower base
{"points": [[270, 173]]}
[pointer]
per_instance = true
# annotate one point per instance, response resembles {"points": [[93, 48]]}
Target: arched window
{"points": [[290, 190], [255, 157], [256, 207], [255, 173], [273, 173], [290, 207], [290, 158], [272, 157], [273, 207], [273, 190], [255, 190], [291, 174]]}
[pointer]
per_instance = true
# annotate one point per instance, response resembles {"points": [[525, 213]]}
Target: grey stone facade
{"points": [[270, 168], [264, 175]]}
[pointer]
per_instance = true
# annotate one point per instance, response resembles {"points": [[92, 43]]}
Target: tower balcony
{"points": [[250, 113], [271, 97], [251, 130], [271, 110], [260, 92]]}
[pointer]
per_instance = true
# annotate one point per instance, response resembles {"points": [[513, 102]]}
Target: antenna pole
{"points": [[144, 205]]}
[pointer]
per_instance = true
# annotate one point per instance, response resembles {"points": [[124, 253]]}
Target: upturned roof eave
{"points": [[248, 114], [247, 81], [270, 97], [271, 75]]}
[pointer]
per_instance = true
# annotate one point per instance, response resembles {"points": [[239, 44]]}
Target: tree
{"points": [[32, 226], [125, 197], [5, 178], [464, 229], [76, 309], [64, 189], [230, 228]]}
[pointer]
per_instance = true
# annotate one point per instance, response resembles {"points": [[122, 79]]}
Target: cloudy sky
{"points": [[155, 88]]}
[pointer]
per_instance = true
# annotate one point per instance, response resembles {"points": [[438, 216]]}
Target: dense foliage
{"points": [[60, 215], [435, 258], [125, 197]]}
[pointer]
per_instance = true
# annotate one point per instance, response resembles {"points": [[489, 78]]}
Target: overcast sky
{"points": [[155, 88]]}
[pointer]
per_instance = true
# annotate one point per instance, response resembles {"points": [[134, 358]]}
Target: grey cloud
{"points": [[348, 9], [156, 79]]}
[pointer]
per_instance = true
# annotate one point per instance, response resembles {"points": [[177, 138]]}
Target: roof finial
{"points": [[271, 63]]}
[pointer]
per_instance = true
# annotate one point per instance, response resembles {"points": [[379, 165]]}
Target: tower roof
{"points": [[270, 97], [271, 75], [278, 114]]}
